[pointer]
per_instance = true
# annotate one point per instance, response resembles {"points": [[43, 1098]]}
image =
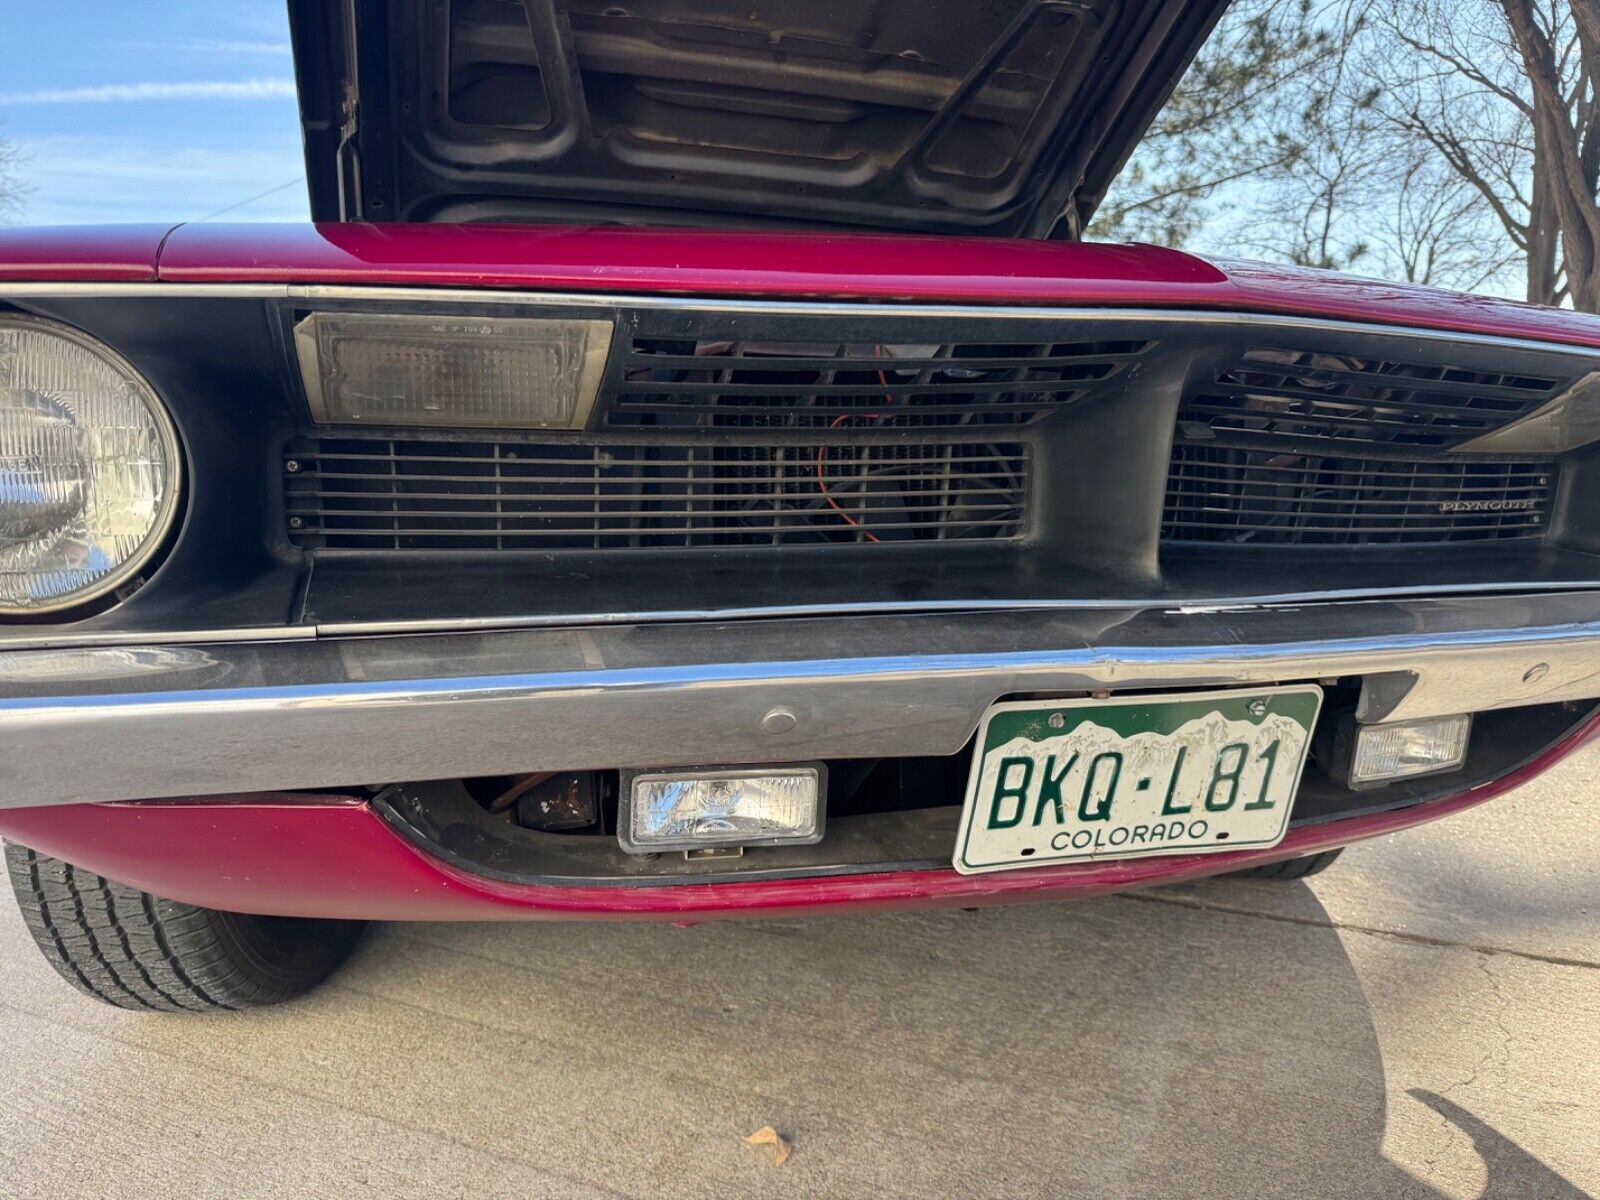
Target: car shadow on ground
{"points": [[1118, 1047], [1513, 1173]]}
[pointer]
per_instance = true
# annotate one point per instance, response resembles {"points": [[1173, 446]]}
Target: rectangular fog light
{"points": [[1406, 749], [483, 372], [693, 810]]}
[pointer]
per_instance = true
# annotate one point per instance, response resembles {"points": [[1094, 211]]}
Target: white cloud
{"points": [[119, 93], [214, 46]]}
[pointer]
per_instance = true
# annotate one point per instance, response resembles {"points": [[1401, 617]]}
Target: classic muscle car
{"points": [[693, 467]]}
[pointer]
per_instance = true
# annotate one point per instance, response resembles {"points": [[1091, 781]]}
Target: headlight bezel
{"points": [[159, 536]]}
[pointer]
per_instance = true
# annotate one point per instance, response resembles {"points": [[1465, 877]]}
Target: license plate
{"points": [[1075, 780]]}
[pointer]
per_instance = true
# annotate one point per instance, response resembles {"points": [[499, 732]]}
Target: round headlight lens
{"points": [[89, 468]]}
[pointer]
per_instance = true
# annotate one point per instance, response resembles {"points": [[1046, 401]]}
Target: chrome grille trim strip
{"points": [[492, 296]]}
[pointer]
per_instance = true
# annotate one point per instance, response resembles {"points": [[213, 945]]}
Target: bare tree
{"points": [[1228, 122], [12, 190], [1560, 51], [1451, 141], [1457, 89], [1301, 210], [1432, 226]]}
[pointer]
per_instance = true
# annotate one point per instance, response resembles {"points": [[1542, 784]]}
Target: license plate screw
{"points": [[1258, 708], [1057, 721]]}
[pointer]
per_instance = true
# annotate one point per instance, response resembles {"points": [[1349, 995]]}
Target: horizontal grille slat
{"points": [[1361, 389], [790, 385], [751, 365], [1330, 509], [1226, 494], [408, 482], [600, 529], [1371, 493], [779, 393], [410, 494], [1300, 399], [710, 512], [1275, 479], [396, 487], [1418, 379], [1351, 412]]}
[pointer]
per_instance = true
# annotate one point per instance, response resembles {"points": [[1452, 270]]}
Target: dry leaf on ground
{"points": [[768, 1136]]}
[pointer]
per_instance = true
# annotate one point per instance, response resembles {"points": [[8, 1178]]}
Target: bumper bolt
{"points": [[779, 720]]}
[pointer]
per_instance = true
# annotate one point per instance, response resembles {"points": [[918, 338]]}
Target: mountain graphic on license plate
{"points": [[1079, 780]]}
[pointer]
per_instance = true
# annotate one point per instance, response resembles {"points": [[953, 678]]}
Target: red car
{"points": [[692, 468]]}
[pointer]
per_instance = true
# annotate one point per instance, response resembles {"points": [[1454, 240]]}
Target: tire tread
{"points": [[134, 950], [1292, 868]]}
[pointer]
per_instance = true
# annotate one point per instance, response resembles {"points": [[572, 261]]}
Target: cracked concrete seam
{"points": [[1414, 939]]}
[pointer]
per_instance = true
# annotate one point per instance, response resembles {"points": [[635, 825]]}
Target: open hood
{"points": [[1003, 117]]}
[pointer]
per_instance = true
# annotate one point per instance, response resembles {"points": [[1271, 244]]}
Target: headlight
{"points": [[89, 468]]}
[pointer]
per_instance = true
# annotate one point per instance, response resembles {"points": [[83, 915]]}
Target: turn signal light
{"points": [[460, 371]]}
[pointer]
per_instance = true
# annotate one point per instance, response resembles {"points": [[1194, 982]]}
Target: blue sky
{"points": [[152, 110]]}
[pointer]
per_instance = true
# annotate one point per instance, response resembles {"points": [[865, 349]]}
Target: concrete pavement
{"points": [[1422, 1021]]}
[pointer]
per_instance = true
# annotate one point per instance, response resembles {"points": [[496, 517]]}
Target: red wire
{"points": [[822, 485], [822, 453]]}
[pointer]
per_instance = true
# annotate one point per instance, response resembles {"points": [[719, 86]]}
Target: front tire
{"points": [[1291, 868], [138, 951]]}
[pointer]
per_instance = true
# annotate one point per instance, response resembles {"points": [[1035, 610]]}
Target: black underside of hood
{"points": [[1003, 117]]}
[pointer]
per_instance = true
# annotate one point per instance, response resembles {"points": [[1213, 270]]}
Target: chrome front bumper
{"points": [[142, 722]]}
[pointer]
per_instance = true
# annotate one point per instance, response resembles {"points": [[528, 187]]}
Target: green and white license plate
{"points": [[1074, 780]]}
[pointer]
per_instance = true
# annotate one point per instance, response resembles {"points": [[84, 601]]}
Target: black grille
{"points": [[382, 494], [1286, 396], [1221, 494], [795, 385]]}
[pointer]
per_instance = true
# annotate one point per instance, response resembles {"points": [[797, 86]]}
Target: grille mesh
{"points": [[795, 385], [1222, 494], [386, 495], [1286, 396]]}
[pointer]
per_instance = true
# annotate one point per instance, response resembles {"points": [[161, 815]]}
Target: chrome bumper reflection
{"points": [[123, 722]]}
